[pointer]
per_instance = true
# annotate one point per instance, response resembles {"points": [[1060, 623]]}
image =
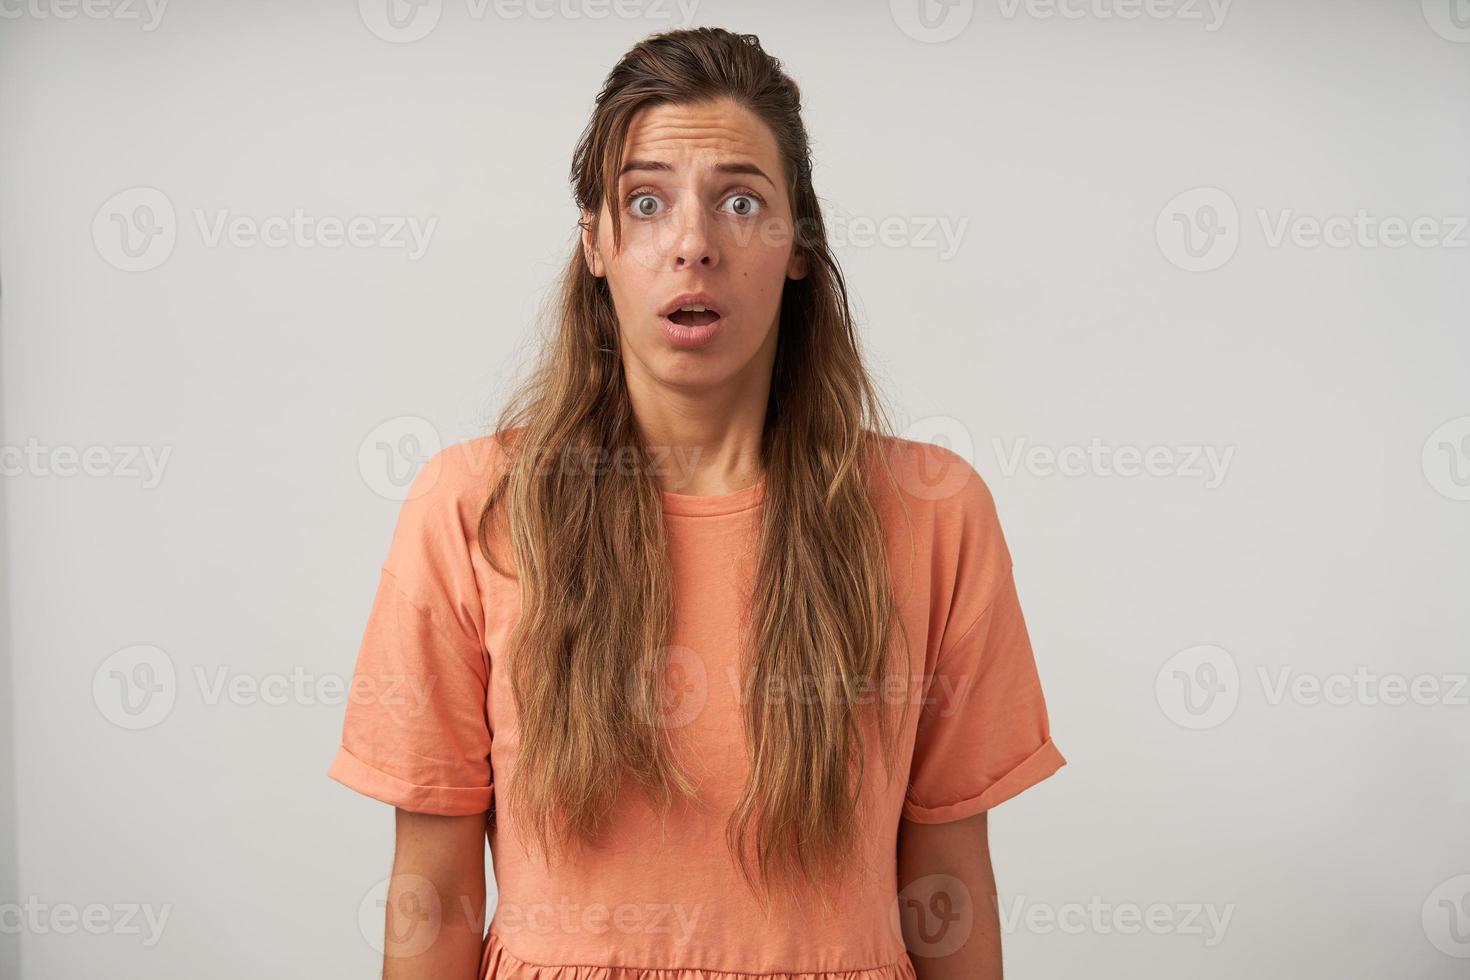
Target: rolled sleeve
{"points": [[417, 729], [984, 734]]}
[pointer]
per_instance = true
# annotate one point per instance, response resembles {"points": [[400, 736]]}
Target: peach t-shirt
{"points": [[674, 907]]}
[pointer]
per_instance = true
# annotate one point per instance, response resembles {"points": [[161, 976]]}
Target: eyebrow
{"points": [[733, 167]]}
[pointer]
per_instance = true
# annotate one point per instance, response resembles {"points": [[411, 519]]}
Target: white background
{"points": [[1332, 383]]}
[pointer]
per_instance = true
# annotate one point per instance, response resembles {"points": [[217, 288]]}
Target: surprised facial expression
{"points": [[707, 243]]}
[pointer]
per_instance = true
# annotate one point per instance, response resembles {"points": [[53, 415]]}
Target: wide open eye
{"points": [[747, 205], [643, 204]]}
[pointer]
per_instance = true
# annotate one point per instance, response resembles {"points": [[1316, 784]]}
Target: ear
{"points": [[589, 246], [797, 267]]}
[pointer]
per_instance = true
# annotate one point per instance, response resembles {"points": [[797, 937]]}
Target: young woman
{"points": [[728, 674]]}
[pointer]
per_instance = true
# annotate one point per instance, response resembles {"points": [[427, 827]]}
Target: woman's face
{"points": [[704, 213]]}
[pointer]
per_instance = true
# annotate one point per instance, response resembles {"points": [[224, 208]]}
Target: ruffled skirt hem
{"points": [[498, 963]]}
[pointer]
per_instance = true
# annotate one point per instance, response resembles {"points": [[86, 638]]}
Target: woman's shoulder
{"points": [[951, 508], [440, 513], [460, 473], [937, 480]]}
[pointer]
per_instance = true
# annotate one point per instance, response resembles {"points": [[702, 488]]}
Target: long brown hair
{"points": [[586, 656]]}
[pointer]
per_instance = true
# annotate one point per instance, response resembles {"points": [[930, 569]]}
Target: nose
{"points": [[694, 242]]}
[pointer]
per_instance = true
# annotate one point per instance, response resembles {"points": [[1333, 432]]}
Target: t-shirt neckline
{"points": [[711, 505]]}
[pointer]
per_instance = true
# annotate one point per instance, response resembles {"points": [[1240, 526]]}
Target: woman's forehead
{"points": [[712, 131]]}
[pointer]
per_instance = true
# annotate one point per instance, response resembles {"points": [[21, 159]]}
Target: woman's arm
{"points": [[436, 898], [957, 855]]}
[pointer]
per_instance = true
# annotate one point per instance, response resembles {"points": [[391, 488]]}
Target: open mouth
{"points": [[694, 316]]}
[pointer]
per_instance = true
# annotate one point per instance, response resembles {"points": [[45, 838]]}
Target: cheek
{"points": [[640, 263], [762, 271], [631, 281]]}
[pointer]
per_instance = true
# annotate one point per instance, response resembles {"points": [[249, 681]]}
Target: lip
{"points": [[691, 337], [690, 299]]}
